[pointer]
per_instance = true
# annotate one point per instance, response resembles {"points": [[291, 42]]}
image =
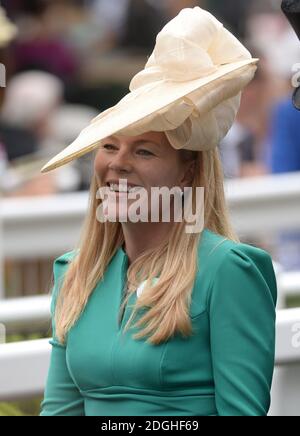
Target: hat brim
{"points": [[134, 107]]}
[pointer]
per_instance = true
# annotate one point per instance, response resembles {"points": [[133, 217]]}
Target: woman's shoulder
{"points": [[61, 263], [66, 257], [227, 261], [217, 247]]}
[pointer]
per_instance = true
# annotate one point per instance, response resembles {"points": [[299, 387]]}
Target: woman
{"points": [[150, 318]]}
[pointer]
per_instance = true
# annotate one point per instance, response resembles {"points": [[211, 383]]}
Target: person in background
{"points": [[284, 133], [112, 16], [30, 99], [232, 12], [285, 158], [64, 125], [40, 44], [243, 148], [285, 138], [8, 32], [142, 23], [237, 151]]}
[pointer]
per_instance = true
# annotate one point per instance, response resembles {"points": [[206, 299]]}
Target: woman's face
{"points": [[146, 160]]}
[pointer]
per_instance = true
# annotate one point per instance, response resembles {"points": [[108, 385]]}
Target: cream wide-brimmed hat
{"points": [[190, 88], [7, 29]]}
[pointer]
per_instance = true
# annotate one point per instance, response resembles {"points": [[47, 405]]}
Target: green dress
{"points": [[225, 368]]}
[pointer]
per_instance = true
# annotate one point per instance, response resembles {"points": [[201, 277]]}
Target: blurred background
{"points": [[66, 61]]}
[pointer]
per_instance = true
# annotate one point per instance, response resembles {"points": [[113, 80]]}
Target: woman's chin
{"points": [[123, 209]]}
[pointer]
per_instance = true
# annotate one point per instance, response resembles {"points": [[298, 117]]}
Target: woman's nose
{"points": [[120, 162]]}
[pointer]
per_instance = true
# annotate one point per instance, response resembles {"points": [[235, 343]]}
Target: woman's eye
{"points": [[141, 151], [107, 146], [148, 153]]}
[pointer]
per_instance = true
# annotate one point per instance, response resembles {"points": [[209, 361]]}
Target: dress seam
{"points": [[160, 365], [213, 276]]}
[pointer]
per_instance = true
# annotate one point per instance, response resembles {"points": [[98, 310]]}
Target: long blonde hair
{"points": [[174, 261]]}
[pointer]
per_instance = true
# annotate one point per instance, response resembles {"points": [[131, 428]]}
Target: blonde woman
{"points": [[149, 318]]}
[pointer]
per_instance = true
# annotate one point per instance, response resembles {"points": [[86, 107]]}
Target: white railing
{"points": [[286, 381], [26, 313], [24, 365], [41, 226], [288, 337], [264, 205], [288, 285], [23, 369]]}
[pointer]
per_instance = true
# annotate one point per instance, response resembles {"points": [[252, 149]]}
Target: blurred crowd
{"points": [[71, 59]]}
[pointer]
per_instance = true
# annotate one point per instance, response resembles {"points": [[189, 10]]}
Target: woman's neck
{"points": [[140, 237]]}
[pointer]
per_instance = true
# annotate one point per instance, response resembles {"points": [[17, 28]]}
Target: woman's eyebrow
{"points": [[145, 141], [138, 141]]}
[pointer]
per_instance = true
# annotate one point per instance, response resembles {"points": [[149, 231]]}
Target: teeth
{"points": [[135, 188], [123, 188]]}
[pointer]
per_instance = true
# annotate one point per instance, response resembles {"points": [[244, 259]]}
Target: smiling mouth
{"points": [[125, 189]]}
